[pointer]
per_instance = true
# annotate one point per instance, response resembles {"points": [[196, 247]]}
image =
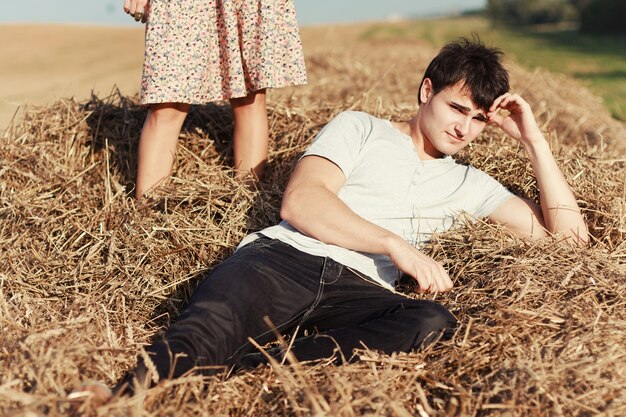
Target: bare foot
{"points": [[91, 393]]}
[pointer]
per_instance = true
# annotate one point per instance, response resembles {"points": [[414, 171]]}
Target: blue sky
{"points": [[310, 12]]}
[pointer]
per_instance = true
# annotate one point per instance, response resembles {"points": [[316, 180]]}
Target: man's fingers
{"points": [[424, 282], [496, 119], [442, 280], [444, 283], [514, 103], [433, 278], [498, 102]]}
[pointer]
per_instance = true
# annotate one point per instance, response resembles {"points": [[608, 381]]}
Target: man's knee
{"points": [[433, 321]]}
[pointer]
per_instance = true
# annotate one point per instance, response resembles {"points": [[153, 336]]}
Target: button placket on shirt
{"points": [[418, 171]]}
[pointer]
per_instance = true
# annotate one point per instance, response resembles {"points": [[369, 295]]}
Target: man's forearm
{"points": [[559, 207], [320, 214], [317, 212]]}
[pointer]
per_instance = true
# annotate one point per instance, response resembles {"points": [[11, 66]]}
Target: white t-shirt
{"points": [[389, 185]]}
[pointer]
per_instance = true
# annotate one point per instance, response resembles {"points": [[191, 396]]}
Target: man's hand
{"points": [[429, 274], [520, 123]]}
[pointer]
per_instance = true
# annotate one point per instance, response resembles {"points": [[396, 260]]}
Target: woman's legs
{"points": [[159, 136], [251, 136], [157, 145]]}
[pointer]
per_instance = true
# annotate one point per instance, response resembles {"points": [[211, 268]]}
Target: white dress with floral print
{"points": [[198, 51]]}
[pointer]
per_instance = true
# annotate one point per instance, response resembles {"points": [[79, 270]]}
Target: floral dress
{"points": [[198, 51]]}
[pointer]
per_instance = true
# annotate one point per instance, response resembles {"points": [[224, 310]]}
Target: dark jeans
{"points": [[299, 293]]}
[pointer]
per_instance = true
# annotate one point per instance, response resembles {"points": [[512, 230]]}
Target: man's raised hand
{"points": [[520, 123]]}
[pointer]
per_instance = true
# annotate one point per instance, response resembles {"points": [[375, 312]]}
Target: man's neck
{"points": [[422, 145]]}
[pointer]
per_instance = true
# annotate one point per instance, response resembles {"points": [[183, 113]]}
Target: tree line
{"points": [[593, 16]]}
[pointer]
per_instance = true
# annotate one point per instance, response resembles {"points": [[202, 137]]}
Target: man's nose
{"points": [[463, 126]]}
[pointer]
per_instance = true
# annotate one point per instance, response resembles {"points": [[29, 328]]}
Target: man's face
{"points": [[449, 119]]}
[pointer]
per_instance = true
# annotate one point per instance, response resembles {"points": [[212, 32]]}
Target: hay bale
{"points": [[88, 277]]}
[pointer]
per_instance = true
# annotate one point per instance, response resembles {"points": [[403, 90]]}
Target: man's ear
{"points": [[426, 90]]}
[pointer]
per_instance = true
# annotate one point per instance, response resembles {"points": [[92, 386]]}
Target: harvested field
{"points": [[43, 63], [88, 277]]}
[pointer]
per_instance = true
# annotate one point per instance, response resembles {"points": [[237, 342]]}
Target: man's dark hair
{"points": [[471, 62]]}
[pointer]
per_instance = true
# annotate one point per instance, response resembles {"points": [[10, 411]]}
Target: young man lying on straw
{"points": [[363, 198]]}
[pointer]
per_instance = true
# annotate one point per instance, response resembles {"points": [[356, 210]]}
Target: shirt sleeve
{"points": [[342, 140], [491, 193]]}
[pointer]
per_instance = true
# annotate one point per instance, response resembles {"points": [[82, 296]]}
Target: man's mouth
{"points": [[456, 138]]}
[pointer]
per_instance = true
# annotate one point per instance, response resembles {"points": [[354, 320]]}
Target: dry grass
{"points": [[87, 277]]}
